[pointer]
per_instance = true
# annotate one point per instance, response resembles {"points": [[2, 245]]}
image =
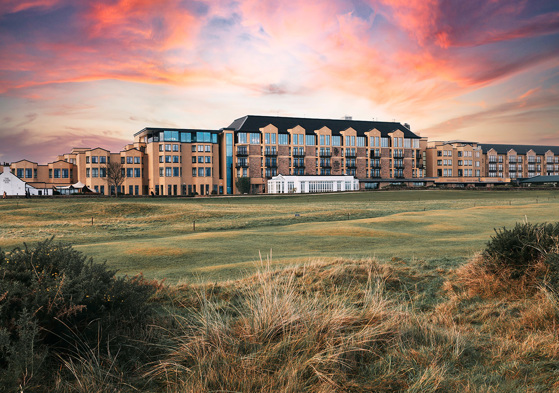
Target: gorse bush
{"points": [[519, 251], [53, 299]]}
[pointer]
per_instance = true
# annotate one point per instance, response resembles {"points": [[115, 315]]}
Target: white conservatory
{"points": [[310, 184]]}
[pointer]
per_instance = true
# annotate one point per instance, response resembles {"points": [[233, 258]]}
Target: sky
{"points": [[92, 73]]}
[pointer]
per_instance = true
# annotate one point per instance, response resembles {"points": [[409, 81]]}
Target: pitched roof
{"points": [[252, 123], [519, 149]]}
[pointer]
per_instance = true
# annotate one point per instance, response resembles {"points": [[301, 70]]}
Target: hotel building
{"points": [[171, 161]]}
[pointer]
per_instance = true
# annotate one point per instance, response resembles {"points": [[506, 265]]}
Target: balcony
{"points": [[298, 153], [241, 164], [350, 154], [398, 155], [242, 151], [325, 153], [270, 152], [375, 165], [326, 165], [298, 164], [399, 165], [375, 154]]}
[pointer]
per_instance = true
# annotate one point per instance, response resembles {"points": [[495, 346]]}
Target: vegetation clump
{"points": [[526, 251], [53, 300]]}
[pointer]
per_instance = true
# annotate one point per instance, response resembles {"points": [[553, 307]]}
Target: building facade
{"points": [[172, 161]]}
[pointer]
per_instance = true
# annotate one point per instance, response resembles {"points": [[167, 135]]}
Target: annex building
{"points": [[267, 149]]}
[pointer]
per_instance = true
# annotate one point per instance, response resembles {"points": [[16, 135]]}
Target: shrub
{"points": [[518, 251], [55, 297]]}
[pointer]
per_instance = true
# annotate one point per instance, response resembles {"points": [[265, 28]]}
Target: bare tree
{"points": [[115, 175]]}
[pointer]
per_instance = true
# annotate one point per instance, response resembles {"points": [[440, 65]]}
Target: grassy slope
{"points": [[155, 235]]}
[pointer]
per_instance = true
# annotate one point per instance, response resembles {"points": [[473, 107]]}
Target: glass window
{"points": [[193, 148], [242, 137], [208, 159], [64, 173], [129, 172], [19, 172], [200, 159], [168, 147], [103, 159], [186, 137], [176, 171], [168, 158], [137, 172], [208, 172], [193, 171], [161, 159], [94, 159], [86, 172], [310, 140], [254, 138], [360, 141], [214, 138], [336, 140], [175, 159], [29, 172], [94, 172], [136, 160], [200, 172], [208, 148], [168, 172], [87, 159], [171, 136], [175, 147], [103, 172], [384, 142], [161, 172], [129, 160], [200, 147], [283, 139]]}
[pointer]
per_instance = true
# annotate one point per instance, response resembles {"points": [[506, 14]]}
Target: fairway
{"points": [[222, 238]]}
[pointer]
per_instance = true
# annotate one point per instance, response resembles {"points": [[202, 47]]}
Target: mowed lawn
{"points": [[226, 237]]}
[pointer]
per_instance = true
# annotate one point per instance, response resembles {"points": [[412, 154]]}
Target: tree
{"points": [[115, 175], [243, 185]]}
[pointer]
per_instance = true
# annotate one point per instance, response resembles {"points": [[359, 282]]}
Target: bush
{"points": [[55, 300], [519, 250]]}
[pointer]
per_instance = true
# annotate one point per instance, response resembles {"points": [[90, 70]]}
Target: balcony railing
{"points": [[325, 153], [270, 152], [242, 152], [241, 164]]}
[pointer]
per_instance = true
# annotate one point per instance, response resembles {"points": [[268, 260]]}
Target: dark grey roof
{"points": [[519, 149], [253, 123], [541, 179]]}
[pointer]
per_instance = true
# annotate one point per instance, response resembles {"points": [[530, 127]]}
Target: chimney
{"points": [[407, 126]]}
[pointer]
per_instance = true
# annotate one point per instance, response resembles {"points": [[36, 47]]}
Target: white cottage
{"points": [[11, 185]]}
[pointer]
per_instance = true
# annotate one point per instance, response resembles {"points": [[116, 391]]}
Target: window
{"points": [[129, 172], [194, 159], [129, 160], [374, 141], [102, 159], [208, 159], [193, 148], [384, 142], [122, 159], [19, 172], [254, 138], [283, 139], [208, 172], [171, 136], [407, 143], [194, 172], [176, 171], [168, 158], [94, 159], [161, 147], [208, 148], [137, 172], [186, 137], [336, 140], [167, 147], [94, 172], [29, 172], [310, 140], [175, 147], [86, 172], [87, 159], [161, 159], [200, 172], [136, 160], [361, 141], [168, 172], [175, 159], [200, 159], [200, 147], [103, 172], [241, 137]]}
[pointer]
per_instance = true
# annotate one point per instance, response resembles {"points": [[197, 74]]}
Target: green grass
{"points": [[155, 235]]}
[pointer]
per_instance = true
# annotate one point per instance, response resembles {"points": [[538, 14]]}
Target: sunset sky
{"points": [[92, 73]]}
